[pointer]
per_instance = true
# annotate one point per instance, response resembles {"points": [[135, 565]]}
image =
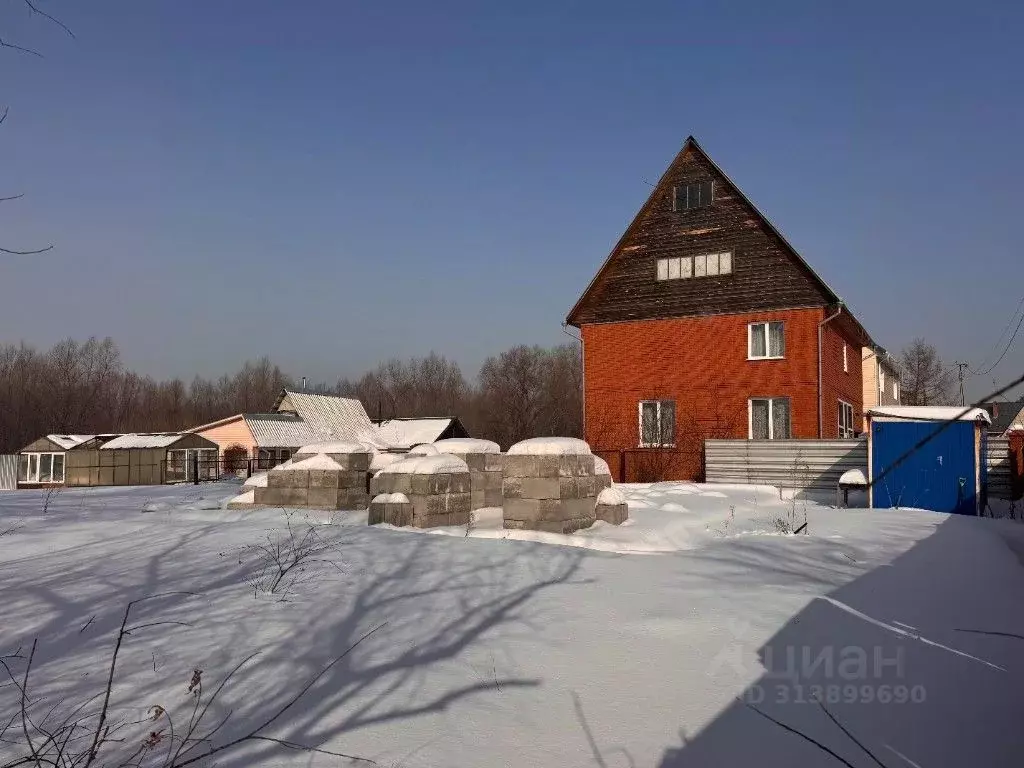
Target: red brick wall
{"points": [[701, 363], [836, 384]]}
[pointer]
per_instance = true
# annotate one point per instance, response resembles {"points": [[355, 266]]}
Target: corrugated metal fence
{"points": [[818, 464], [804, 464], [8, 472]]}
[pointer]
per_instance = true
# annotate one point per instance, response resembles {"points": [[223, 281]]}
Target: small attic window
{"points": [[690, 196]]}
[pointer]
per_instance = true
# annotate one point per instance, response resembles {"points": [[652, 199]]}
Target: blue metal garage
{"points": [[927, 457]]}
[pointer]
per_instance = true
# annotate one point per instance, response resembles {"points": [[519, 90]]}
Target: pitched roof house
{"points": [[1006, 416], [705, 322]]}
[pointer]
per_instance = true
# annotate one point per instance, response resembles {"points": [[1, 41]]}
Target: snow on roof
{"points": [[405, 433], [611, 496], [601, 467], [931, 413], [390, 498], [319, 461], [329, 416], [424, 449], [427, 465], [280, 430], [142, 440], [69, 441], [467, 445], [550, 446], [333, 446]]}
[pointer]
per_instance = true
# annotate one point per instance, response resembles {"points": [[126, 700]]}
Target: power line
{"points": [[999, 340], [1005, 350]]}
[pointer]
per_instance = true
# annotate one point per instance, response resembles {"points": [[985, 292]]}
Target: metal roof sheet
{"points": [[281, 430], [332, 417], [405, 433], [142, 440], [69, 441]]}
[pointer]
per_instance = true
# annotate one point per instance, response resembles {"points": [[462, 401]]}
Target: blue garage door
{"points": [[937, 476]]}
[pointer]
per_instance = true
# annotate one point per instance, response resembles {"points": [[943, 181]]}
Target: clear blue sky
{"points": [[334, 183]]}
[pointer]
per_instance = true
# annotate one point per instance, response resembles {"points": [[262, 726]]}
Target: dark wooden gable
{"points": [[767, 273]]}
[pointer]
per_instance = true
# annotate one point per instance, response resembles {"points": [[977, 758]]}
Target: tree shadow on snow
{"points": [[887, 657]]}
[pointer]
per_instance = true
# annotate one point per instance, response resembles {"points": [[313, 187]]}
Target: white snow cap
{"points": [[931, 413], [259, 480], [381, 460], [390, 498], [318, 461], [853, 477], [424, 449], [467, 445], [611, 496], [333, 446], [557, 446], [601, 467], [427, 465]]}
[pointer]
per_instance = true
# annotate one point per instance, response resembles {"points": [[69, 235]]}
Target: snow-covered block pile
{"points": [[436, 486], [603, 474], [330, 479], [548, 484], [484, 459], [611, 506], [391, 508]]}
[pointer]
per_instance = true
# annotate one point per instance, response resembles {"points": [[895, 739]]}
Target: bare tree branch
{"points": [[45, 15]]}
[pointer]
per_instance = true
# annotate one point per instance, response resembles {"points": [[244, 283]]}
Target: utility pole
{"points": [[960, 375]]}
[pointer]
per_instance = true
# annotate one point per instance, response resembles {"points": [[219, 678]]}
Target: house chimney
{"points": [[303, 383]]}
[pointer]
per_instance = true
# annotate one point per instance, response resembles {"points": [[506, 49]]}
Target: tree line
{"points": [[84, 387]]}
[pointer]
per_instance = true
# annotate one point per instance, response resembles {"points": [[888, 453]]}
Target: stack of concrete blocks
{"points": [[549, 485], [603, 474], [437, 489], [484, 459], [334, 478], [611, 506]]}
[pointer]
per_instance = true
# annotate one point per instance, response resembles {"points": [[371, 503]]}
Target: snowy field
{"points": [[673, 640]]}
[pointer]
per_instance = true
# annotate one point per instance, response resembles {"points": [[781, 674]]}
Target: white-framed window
{"points": [[846, 361], [41, 468], [769, 418], [766, 341], [685, 267], [881, 381], [657, 423], [845, 419]]}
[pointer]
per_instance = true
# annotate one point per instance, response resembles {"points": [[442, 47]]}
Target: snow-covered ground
{"points": [[668, 641]]}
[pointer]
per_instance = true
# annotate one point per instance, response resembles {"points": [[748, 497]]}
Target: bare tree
{"points": [[924, 379]]}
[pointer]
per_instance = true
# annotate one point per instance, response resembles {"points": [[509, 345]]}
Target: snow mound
{"points": [[427, 465], [381, 460], [853, 477], [601, 467], [248, 497], [390, 498], [467, 445], [424, 449], [550, 446], [333, 446], [317, 461], [259, 480], [155, 506], [611, 496]]}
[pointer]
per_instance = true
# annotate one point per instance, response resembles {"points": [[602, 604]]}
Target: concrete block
{"points": [[288, 478], [477, 462], [492, 481], [494, 462], [549, 466], [601, 482], [616, 514], [477, 499], [438, 483], [352, 499], [521, 466], [322, 498], [541, 487], [493, 498], [323, 478], [525, 510], [352, 478], [459, 518], [420, 485], [461, 483], [359, 462], [512, 487], [579, 508], [281, 497], [569, 487], [513, 525]]}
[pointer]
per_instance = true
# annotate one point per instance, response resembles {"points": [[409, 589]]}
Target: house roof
{"points": [[217, 423], [280, 430], [142, 440], [931, 413], [1005, 414], [331, 417], [691, 144], [407, 432], [69, 441]]}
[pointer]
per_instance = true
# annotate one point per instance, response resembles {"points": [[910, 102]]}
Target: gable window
{"points": [[769, 418], [685, 267], [846, 363], [845, 419], [657, 423], [41, 468], [690, 196], [766, 341]]}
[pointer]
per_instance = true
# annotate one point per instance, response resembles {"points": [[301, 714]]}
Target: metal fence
{"points": [[799, 464], [8, 472], [818, 464]]}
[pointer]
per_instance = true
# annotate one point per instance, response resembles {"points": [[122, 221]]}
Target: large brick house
{"points": [[705, 322]]}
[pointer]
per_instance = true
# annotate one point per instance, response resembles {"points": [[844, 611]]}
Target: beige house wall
{"points": [[234, 432], [871, 365]]}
